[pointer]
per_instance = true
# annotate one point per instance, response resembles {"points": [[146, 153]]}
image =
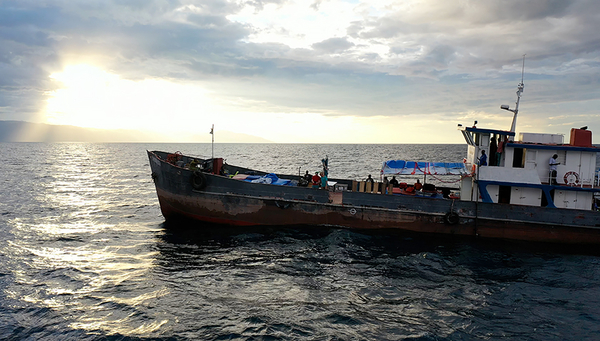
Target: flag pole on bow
{"points": [[212, 133]]}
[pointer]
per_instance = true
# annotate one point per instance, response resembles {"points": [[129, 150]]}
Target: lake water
{"points": [[85, 255]]}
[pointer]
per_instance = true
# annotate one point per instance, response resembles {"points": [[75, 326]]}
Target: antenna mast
{"points": [[520, 88]]}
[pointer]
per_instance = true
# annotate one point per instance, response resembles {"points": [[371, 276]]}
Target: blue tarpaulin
{"points": [[402, 167], [270, 178]]}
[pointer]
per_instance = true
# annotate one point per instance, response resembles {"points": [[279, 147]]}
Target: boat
{"points": [[515, 196]]}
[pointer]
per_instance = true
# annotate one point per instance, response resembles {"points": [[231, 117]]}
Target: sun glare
{"points": [[183, 112], [93, 98]]}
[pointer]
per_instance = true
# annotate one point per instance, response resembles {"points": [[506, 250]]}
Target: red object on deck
{"points": [[581, 137], [217, 165]]}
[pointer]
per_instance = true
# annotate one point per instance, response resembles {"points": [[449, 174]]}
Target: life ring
{"points": [[198, 180], [571, 178], [451, 218]]}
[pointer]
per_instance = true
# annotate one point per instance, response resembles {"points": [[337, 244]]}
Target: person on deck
{"points": [[307, 177], [500, 150], [316, 180], [305, 180], [179, 162], [323, 180], [370, 179], [552, 163], [493, 150], [418, 185], [386, 184], [394, 181], [194, 164], [483, 159]]}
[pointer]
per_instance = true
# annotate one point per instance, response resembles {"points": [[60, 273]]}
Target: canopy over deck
{"points": [[401, 167]]}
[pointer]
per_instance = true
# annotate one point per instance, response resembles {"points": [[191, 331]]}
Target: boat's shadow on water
{"points": [[183, 231]]}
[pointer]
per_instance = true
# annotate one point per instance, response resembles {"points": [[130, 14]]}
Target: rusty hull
{"points": [[234, 202]]}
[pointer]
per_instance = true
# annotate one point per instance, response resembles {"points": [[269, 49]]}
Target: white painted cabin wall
{"points": [[541, 138], [469, 191], [471, 152], [536, 170], [465, 189], [508, 156], [573, 163], [588, 174], [474, 152], [585, 200], [573, 200], [583, 163], [484, 142], [526, 196], [588, 166], [543, 163], [508, 174], [493, 190], [531, 159]]}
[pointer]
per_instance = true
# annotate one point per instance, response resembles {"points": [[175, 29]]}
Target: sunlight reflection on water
{"points": [[70, 232]]}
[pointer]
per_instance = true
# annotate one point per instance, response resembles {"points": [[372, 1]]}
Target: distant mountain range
{"points": [[21, 131]]}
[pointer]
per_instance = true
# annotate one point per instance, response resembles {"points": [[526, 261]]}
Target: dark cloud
{"points": [[26, 55], [132, 37], [333, 45], [516, 10], [440, 55], [440, 37]]}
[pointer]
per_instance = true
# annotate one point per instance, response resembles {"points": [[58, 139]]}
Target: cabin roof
{"points": [[553, 147], [489, 131]]}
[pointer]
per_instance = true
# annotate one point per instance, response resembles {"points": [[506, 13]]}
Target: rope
{"points": [[440, 180], [446, 182]]}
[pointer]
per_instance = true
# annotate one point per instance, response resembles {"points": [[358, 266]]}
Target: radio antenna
{"points": [[520, 88], [523, 69]]}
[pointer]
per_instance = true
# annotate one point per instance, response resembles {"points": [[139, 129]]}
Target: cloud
{"points": [[335, 58], [333, 45]]}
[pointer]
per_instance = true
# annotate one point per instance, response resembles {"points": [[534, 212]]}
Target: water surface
{"points": [[85, 255]]}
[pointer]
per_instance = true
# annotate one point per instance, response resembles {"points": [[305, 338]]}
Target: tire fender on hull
{"points": [[451, 218], [198, 180]]}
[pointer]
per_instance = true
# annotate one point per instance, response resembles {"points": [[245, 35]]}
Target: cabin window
{"points": [[562, 157], [468, 138], [504, 194], [484, 140], [518, 158]]}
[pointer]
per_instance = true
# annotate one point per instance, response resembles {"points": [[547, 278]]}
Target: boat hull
{"points": [[239, 203]]}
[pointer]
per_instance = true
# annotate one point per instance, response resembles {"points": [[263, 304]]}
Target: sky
{"points": [[312, 71]]}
